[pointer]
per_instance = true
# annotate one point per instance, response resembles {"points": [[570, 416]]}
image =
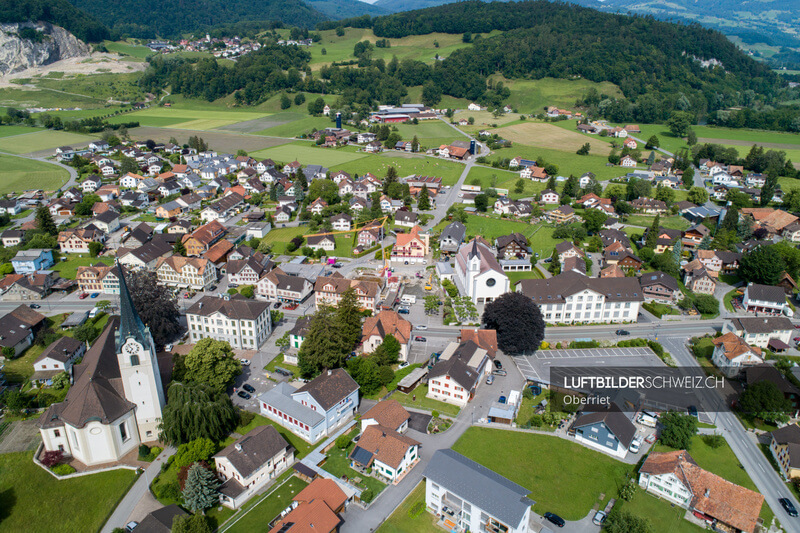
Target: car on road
{"points": [[212, 288], [421, 328], [94, 295], [499, 372], [249, 388], [420, 339], [34, 306], [623, 332], [338, 264], [489, 379], [555, 519], [291, 307], [788, 506], [599, 518], [245, 362], [243, 394], [403, 311], [83, 295], [277, 305], [497, 364], [502, 399], [130, 526]]}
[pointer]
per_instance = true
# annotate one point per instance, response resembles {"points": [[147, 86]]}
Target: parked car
{"points": [[249, 388], [403, 311], [421, 328], [498, 364], [338, 264], [788, 506], [212, 288], [94, 295], [499, 372], [34, 306], [599, 518], [623, 332], [502, 399], [555, 519], [635, 445], [130, 526], [651, 438], [420, 339], [277, 305], [243, 394], [233, 285], [291, 307], [489, 379], [245, 362], [83, 295], [692, 410], [403, 365]]}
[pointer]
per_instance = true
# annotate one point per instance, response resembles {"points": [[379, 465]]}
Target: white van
{"points": [[408, 299], [648, 419], [93, 312]]}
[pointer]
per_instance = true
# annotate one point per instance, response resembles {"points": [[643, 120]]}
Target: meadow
{"points": [[40, 140], [542, 134], [18, 174], [405, 164], [187, 118], [533, 96], [308, 154], [503, 179], [567, 162], [22, 98], [124, 48]]}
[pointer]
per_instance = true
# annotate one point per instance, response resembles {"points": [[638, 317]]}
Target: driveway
{"points": [[419, 422]]}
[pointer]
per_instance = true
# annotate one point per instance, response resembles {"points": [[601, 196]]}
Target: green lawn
{"points": [[308, 154], [400, 520], [33, 500], [563, 477], [280, 237], [431, 133], [9, 131], [503, 179], [515, 277], [124, 48], [728, 298], [278, 361], [69, 268], [666, 140], [40, 140], [671, 222], [754, 136], [423, 402], [18, 174], [566, 161], [266, 510], [188, 117], [532, 96], [540, 237], [293, 124], [405, 164], [338, 464], [663, 516]]}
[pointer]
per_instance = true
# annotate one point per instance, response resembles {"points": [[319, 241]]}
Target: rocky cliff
{"points": [[21, 49]]}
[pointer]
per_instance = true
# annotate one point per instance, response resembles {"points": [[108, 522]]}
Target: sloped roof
{"points": [[388, 413], [249, 453], [383, 444], [557, 288], [235, 307], [484, 338], [659, 278], [766, 293], [616, 421], [734, 346], [61, 350], [329, 388], [387, 323]]}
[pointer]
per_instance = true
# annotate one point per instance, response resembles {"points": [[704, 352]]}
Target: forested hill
{"points": [[57, 12], [170, 18]]}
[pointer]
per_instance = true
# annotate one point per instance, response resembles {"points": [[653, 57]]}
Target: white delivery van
{"points": [[408, 299]]}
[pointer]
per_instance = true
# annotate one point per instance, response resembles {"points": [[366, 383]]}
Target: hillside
{"points": [[56, 12], [396, 6], [169, 18], [341, 9]]}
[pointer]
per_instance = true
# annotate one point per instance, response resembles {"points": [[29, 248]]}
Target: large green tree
{"points": [[44, 221], [201, 491], [678, 430], [191, 523], [763, 265], [348, 319], [763, 400], [593, 220], [323, 346], [518, 321], [213, 363], [387, 352], [196, 411], [652, 235], [621, 521], [424, 201]]}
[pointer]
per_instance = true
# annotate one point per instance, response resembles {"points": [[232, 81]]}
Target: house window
{"points": [[56, 433], [123, 432]]}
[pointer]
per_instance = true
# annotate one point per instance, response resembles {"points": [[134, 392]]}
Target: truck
{"points": [[408, 299]]}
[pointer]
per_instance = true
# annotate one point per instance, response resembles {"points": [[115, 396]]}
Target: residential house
{"points": [[666, 240], [341, 222], [767, 372], [572, 298], [627, 161], [30, 286], [244, 271], [276, 285], [732, 354], [32, 260], [223, 208], [322, 241], [241, 322], [607, 430], [385, 452], [77, 241], [203, 238], [452, 237], [649, 206], [316, 409], [189, 272], [549, 196], [12, 237], [108, 222], [478, 274], [377, 327], [660, 287], [18, 327], [567, 249], [329, 290], [370, 235], [315, 508], [387, 413], [675, 477], [785, 447], [411, 247], [405, 218], [98, 278], [760, 331], [146, 256], [478, 498], [693, 236], [57, 358], [701, 280], [513, 246], [764, 299], [317, 206], [250, 463], [456, 376], [560, 215], [709, 259]]}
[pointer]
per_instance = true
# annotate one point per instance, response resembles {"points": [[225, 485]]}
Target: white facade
{"points": [[239, 333], [667, 486], [445, 389], [478, 275]]}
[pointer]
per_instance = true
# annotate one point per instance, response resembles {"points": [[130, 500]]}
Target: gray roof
{"points": [[280, 397], [556, 289], [616, 422], [762, 325], [488, 490], [458, 370], [61, 350], [160, 520], [331, 387], [251, 452], [766, 293], [455, 230], [659, 278], [236, 307]]}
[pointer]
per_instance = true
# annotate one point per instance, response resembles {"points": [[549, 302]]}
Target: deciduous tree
{"points": [[194, 411], [678, 430], [764, 400], [155, 304], [212, 363], [518, 321], [763, 265]]}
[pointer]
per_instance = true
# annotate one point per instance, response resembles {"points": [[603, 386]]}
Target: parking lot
{"points": [[536, 367]]}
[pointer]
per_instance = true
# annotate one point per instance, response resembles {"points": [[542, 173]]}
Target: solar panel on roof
{"points": [[361, 456]]}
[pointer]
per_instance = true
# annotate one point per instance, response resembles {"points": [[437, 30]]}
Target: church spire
{"points": [[130, 324], [474, 252]]}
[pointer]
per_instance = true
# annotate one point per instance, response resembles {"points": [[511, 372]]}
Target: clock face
{"points": [[131, 347]]}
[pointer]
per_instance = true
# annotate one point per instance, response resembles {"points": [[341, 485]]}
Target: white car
{"points": [[421, 328], [634, 447], [245, 362]]}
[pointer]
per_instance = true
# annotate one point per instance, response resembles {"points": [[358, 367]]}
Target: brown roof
{"points": [[484, 338], [772, 219], [219, 250], [613, 271], [735, 346], [234, 307], [329, 388], [251, 452], [386, 445], [61, 350], [387, 323], [27, 315], [388, 413], [717, 497], [177, 263], [207, 232], [557, 288], [312, 517], [341, 284], [322, 489]]}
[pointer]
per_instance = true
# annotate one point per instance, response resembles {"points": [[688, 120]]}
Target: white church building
{"points": [[116, 399], [479, 274]]}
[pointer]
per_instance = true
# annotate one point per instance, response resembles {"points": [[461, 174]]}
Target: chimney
{"points": [[330, 372], [708, 493], [238, 447]]}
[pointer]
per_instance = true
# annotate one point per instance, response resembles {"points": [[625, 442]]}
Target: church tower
{"points": [[138, 365]]}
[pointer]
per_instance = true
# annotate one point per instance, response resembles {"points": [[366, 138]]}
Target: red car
{"points": [[84, 295], [651, 438], [291, 307]]}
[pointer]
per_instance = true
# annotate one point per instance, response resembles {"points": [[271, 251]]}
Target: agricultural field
{"points": [[40, 140], [308, 154], [190, 119], [18, 174], [765, 138], [28, 97], [545, 135], [128, 49], [447, 102], [216, 139], [533, 96], [567, 162], [102, 87], [431, 133], [10, 131], [292, 124], [405, 164], [497, 178]]}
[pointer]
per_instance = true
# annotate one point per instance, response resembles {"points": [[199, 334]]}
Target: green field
{"points": [[751, 136], [121, 87], [69, 268], [662, 514], [532, 96], [308, 154], [540, 237], [33, 500], [280, 237], [503, 179], [565, 478], [671, 222], [10, 131], [40, 140], [431, 133], [22, 98], [294, 124], [188, 118], [18, 174], [124, 48], [665, 138], [567, 162], [405, 164], [270, 507], [400, 520]]}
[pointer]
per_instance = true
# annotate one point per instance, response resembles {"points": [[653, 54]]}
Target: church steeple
{"points": [[130, 324]]}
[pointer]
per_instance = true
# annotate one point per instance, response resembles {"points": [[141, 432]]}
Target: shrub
{"points": [[628, 491], [435, 414], [245, 417], [536, 421], [51, 458], [155, 451], [168, 491], [343, 442], [63, 469], [144, 452], [584, 344], [713, 441], [367, 495], [194, 451], [545, 345]]}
